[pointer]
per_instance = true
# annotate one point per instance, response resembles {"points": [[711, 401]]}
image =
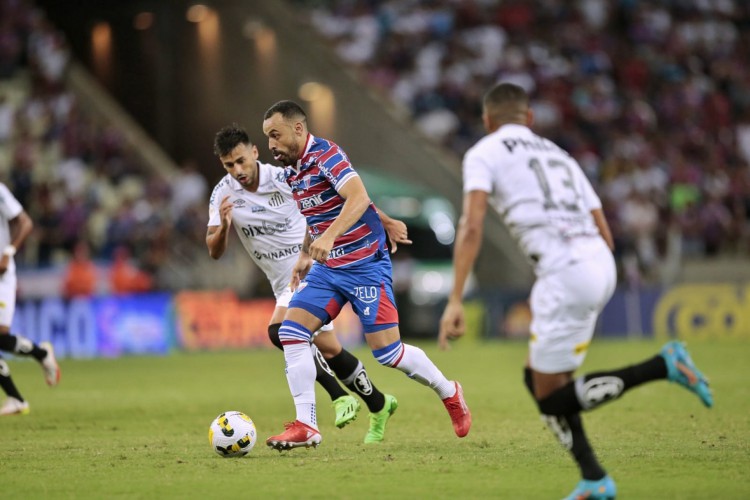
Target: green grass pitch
{"points": [[136, 427]]}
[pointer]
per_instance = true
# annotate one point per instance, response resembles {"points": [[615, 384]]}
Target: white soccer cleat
{"points": [[13, 406], [49, 365]]}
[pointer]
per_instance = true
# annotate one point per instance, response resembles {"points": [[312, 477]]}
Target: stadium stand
{"points": [[652, 97], [88, 175]]}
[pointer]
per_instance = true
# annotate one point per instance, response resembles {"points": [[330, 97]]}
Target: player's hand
{"points": [[301, 268], [321, 248], [397, 233], [225, 211], [452, 324], [4, 263]]}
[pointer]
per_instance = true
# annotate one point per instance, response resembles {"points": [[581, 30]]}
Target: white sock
{"points": [[300, 374], [418, 366]]}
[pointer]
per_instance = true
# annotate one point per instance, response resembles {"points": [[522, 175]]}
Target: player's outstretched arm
{"points": [[217, 237], [465, 251], [396, 230], [357, 201]]}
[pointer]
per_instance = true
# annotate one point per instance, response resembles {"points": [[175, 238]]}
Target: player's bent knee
{"points": [[292, 332], [273, 335], [4, 368], [389, 355]]}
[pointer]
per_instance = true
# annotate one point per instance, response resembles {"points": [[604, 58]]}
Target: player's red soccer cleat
{"points": [[459, 412], [296, 435]]}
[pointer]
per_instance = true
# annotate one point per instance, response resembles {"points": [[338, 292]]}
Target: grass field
{"points": [[137, 428]]}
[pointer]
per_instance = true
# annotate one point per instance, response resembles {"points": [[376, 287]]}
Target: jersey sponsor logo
{"points": [[336, 253], [329, 176], [276, 200], [257, 209], [312, 201], [266, 228], [280, 254], [366, 294]]}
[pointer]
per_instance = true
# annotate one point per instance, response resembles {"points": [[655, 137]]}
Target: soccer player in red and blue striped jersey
{"points": [[344, 259]]}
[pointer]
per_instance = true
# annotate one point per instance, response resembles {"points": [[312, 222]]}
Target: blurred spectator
{"points": [[81, 275], [660, 133], [188, 187], [125, 277]]}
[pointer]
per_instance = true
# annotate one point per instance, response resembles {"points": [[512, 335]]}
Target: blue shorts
{"points": [[368, 287]]}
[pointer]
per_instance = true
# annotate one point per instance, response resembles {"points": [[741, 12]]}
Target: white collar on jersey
{"points": [[308, 144], [263, 175]]}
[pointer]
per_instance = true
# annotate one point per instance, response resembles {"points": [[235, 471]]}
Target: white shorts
{"points": [[7, 298], [564, 307], [283, 299]]}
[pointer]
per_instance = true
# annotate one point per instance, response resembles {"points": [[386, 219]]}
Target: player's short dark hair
{"points": [[288, 109], [229, 138], [505, 93]]}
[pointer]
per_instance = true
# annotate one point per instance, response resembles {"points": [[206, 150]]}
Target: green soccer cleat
{"points": [[603, 489], [682, 370], [376, 432], [346, 410]]}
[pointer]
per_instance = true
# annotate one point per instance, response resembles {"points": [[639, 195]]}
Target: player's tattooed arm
{"points": [[303, 264]]}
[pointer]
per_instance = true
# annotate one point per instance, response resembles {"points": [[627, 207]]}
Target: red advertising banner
{"points": [[214, 320]]}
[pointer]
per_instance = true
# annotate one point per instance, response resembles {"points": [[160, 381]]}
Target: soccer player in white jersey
{"points": [[15, 226], [556, 217], [254, 198]]}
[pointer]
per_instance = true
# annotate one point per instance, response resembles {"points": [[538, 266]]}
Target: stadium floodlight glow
{"points": [[312, 91], [143, 21], [197, 13]]}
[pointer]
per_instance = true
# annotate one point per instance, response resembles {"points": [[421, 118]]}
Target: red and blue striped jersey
{"points": [[324, 169]]}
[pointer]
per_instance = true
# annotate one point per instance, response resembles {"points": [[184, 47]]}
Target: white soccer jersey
{"points": [[538, 189], [267, 221], [10, 208]]}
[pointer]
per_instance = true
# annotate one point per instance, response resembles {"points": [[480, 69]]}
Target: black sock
{"points": [[6, 382], [22, 346], [325, 377], [581, 450], [589, 391], [569, 432], [353, 374]]}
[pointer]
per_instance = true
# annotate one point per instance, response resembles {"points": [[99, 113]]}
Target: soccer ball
{"points": [[232, 434]]}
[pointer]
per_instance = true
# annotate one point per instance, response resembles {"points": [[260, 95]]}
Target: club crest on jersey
{"points": [[301, 184], [276, 200]]}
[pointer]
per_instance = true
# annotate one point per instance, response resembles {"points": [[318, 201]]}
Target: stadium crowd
{"points": [[652, 97], [90, 197]]}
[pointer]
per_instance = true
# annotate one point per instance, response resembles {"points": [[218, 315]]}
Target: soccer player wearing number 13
{"points": [[556, 217]]}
